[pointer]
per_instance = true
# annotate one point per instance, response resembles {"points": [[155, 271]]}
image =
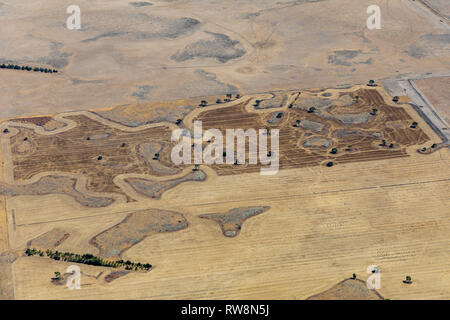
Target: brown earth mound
{"points": [[349, 289]]}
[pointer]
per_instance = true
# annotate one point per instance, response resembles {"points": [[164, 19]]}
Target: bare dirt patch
{"points": [[135, 228], [154, 189], [49, 240], [140, 114], [349, 289], [231, 222], [219, 46], [115, 275], [48, 123], [438, 93], [54, 185], [6, 275], [279, 100]]}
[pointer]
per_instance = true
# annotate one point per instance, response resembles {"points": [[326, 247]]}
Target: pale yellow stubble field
{"points": [[324, 224]]}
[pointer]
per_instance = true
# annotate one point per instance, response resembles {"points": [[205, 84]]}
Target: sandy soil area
{"points": [[177, 49], [437, 91]]}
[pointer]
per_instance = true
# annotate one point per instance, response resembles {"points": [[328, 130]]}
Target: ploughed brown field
{"points": [[101, 152]]}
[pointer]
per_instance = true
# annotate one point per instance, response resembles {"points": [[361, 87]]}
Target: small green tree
{"points": [[334, 151]]}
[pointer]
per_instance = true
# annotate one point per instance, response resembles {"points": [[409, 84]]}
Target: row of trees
{"points": [[27, 68], [89, 259]]}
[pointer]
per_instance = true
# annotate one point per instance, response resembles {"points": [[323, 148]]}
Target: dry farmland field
{"points": [[353, 176], [225, 231]]}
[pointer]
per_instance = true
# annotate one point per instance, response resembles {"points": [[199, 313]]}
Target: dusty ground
{"points": [[231, 221], [136, 227], [178, 49], [437, 92], [349, 289], [49, 240], [441, 6]]}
